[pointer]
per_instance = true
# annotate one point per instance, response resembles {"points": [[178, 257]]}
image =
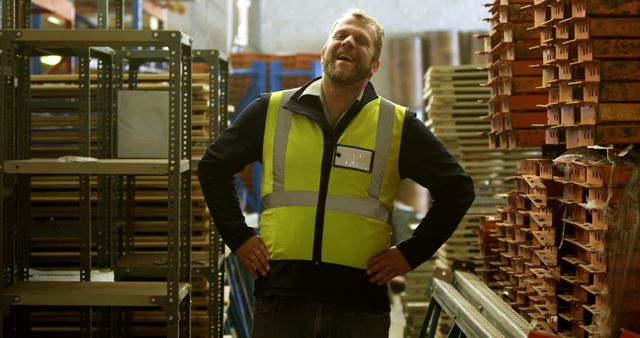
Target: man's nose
{"points": [[349, 40]]}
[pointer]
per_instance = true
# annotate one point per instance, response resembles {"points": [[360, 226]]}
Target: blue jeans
{"points": [[288, 317]]}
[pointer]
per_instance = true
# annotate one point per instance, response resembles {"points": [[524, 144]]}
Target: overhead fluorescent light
{"points": [[51, 60], [54, 20]]}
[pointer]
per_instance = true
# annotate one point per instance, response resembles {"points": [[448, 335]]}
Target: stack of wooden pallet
{"points": [[514, 106], [549, 19], [598, 255], [529, 251], [452, 94], [556, 232], [597, 98], [568, 247]]}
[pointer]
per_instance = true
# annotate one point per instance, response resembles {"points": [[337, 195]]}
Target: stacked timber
{"points": [[526, 234], [566, 236], [549, 16], [568, 246], [452, 94], [599, 94], [598, 253], [514, 105]]}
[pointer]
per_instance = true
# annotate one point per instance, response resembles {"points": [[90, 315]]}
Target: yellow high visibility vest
{"points": [[362, 184]]}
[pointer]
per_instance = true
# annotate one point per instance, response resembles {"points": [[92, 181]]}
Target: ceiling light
{"points": [[54, 20], [51, 60]]}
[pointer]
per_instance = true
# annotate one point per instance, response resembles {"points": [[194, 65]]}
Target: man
{"points": [[333, 156]]}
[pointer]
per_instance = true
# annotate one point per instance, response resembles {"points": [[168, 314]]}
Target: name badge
{"points": [[353, 158]]}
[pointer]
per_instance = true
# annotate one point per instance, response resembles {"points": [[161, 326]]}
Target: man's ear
{"points": [[322, 52], [374, 66]]}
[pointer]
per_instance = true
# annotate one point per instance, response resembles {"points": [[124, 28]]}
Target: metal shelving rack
{"points": [[174, 294], [132, 264]]}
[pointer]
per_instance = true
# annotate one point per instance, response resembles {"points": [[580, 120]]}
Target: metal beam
{"points": [[82, 37], [465, 315], [494, 309]]}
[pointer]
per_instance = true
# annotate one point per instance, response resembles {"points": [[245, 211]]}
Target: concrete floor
{"points": [[397, 318]]}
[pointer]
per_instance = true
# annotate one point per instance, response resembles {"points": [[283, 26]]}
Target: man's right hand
{"points": [[254, 255]]}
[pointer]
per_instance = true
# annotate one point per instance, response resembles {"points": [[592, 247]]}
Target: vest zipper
{"points": [[327, 157]]}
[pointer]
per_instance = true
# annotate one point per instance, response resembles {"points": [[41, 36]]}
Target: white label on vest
{"points": [[353, 158]]}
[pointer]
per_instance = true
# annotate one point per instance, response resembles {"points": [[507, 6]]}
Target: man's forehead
{"points": [[349, 20]]}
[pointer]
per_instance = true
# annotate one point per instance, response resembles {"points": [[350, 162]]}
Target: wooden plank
{"points": [[609, 112], [609, 49], [609, 71], [603, 134], [518, 138], [612, 92], [517, 67], [520, 85], [514, 14], [513, 32], [588, 8], [603, 28], [519, 50], [524, 120], [524, 103]]}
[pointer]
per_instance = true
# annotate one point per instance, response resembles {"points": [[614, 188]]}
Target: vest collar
{"points": [[310, 105]]}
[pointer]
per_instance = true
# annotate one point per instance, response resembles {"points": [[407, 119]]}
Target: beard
{"points": [[354, 75]]}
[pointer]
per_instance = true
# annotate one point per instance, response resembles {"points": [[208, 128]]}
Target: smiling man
{"points": [[333, 154]]}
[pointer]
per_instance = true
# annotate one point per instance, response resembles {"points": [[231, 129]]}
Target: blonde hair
{"points": [[361, 15]]}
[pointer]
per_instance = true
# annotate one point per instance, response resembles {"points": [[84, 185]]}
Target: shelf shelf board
{"points": [[148, 263], [90, 293], [108, 166]]}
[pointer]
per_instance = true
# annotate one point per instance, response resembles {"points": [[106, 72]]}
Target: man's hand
{"points": [[254, 255], [386, 265]]}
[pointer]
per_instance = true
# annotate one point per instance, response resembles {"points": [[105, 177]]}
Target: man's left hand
{"points": [[386, 265]]}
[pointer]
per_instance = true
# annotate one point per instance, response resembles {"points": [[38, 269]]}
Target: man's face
{"points": [[347, 57]]}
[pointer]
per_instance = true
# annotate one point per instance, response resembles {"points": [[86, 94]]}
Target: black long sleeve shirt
{"points": [[422, 158]]}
